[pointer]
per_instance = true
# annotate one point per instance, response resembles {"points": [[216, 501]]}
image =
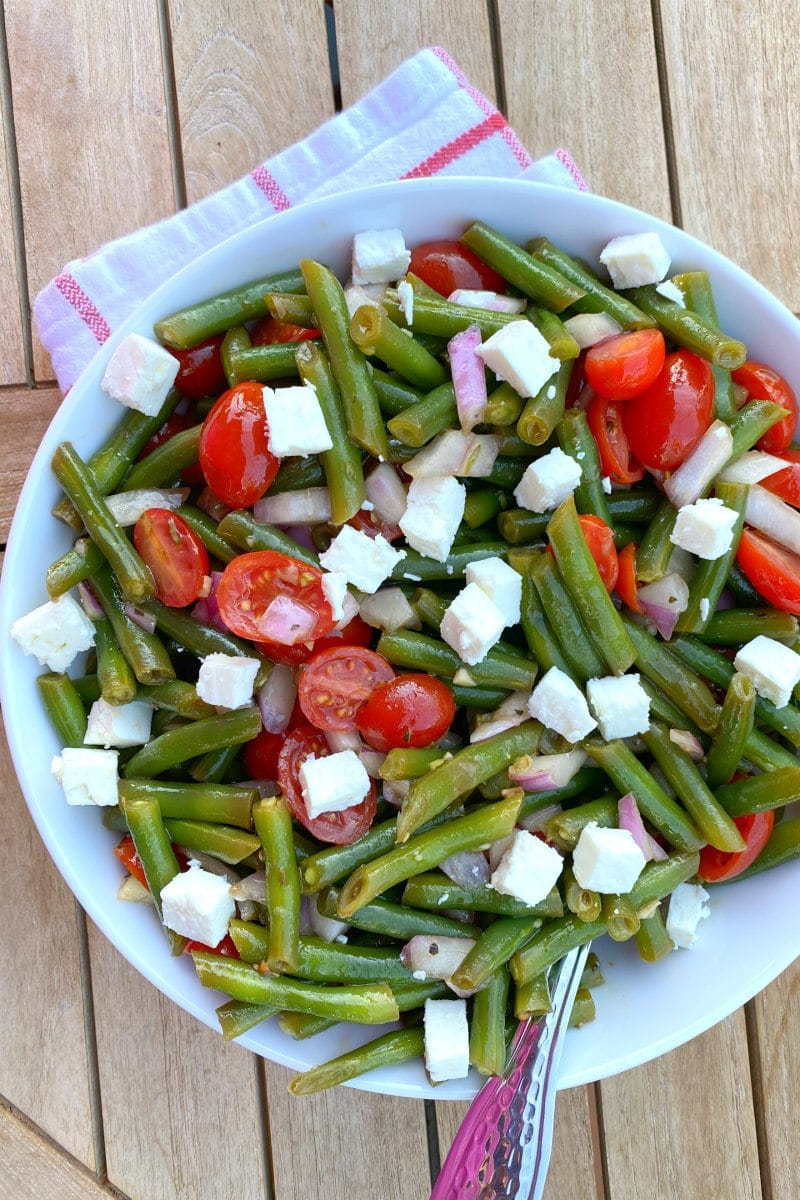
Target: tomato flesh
{"points": [[268, 596], [128, 855], [717, 866], [616, 461], [600, 540], [269, 331], [234, 447], [763, 383], [773, 570], [227, 947], [664, 424], [786, 483], [356, 633], [175, 555], [626, 587], [447, 265], [339, 828], [336, 681], [411, 710], [200, 373], [624, 366]]}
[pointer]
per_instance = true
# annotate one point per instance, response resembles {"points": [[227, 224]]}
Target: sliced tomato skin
{"points": [[269, 331], [234, 447], [625, 365], [128, 855], [338, 828], [600, 540], [250, 582], [174, 553], [718, 866], [447, 265], [356, 633], [336, 681], [201, 373], [226, 947], [786, 483], [626, 587], [763, 383], [372, 525], [616, 461], [410, 710], [664, 424], [773, 571], [577, 383]]}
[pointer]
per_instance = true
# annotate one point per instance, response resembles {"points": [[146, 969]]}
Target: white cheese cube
{"points": [[773, 668], [635, 259], [405, 295], [433, 514], [139, 374], [620, 705], [87, 776], [364, 561], [472, 624], [333, 783], [519, 354], [357, 296], [55, 632], [446, 1040], [127, 507], [607, 860], [295, 421], [379, 256], [334, 589], [118, 725], [590, 328], [560, 705], [501, 583], [687, 908], [227, 680], [528, 869], [704, 528], [492, 301], [547, 481], [389, 610], [671, 291], [198, 904]]}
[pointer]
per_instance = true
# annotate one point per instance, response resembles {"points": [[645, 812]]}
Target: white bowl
{"points": [[643, 1010]]}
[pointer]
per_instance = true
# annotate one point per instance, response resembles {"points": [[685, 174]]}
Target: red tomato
{"points": [[577, 382], [786, 483], [773, 571], [616, 461], [226, 947], [175, 555], [765, 384], [176, 423], [624, 366], [600, 540], [717, 866], [356, 633], [127, 854], [269, 331], [340, 828], [261, 753], [200, 373], [269, 596], [234, 447], [411, 710], [336, 681], [665, 423], [626, 580], [372, 525], [446, 266]]}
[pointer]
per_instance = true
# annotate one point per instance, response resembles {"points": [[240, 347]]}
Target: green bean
{"points": [[409, 649], [418, 568], [503, 406], [576, 440], [198, 639], [712, 574], [410, 763], [563, 345], [544, 282], [586, 588], [377, 336], [235, 1017], [224, 804], [221, 841], [77, 564], [273, 823], [751, 423], [483, 699], [206, 529], [699, 801], [542, 641], [532, 999], [664, 710], [144, 651], [783, 846], [688, 329], [342, 463], [680, 684], [302, 1025], [290, 308], [434, 891], [492, 950], [757, 793], [321, 961], [393, 920], [621, 919], [736, 724], [394, 395], [629, 775], [597, 297], [634, 507], [565, 621], [214, 766], [433, 315], [153, 846], [242, 530], [543, 412], [565, 828], [765, 753], [735, 626], [507, 472], [134, 576], [167, 461], [652, 940], [203, 320], [64, 707], [699, 297], [482, 506], [114, 674], [335, 862], [744, 592], [586, 779], [655, 547], [236, 726], [396, 1047], [298, 473], [348, 364], [178, 697], [244, 361], [419, 423], [487, 1041], [583, 902], [88, 689]]}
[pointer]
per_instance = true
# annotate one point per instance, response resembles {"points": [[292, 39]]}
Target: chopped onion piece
{"points": [[343, 739], [491, 301], [590, 328], [328, 928], [385, 491], [512, 712], [437, 957], [305, 915], [349, 611], [546, 772], [752, 467], [536, 822], [631, 819], [212, 505], [726, 600], [286, 620], [252, 887], [144, 620], [469, 377], [206, 610], [372, 760], [664, 601], [276, 698], [394, 793], [91, 605], [309, 506], [498, 849], [211, 864], [127, 507], [774, 517], [302, 535], [687, 742], [469, 455], [389, 610], [134, 892], [705, 462], [467, 868]]}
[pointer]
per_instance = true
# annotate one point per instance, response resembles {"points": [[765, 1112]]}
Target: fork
{"points": [[502, 1149]]}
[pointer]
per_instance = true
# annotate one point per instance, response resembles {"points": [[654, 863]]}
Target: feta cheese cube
{"points": [[379, 256], [118, 725], [773, 668], [519, 354], [198, 904], [333, 783], [364, 561], [295, 421], [492, 301], [87, 776], [620, 705], [560, 705], [55, 632], [528, 869], [446, 1040], [227, 680], [501, 583], [389, 610], [140, 373], [547, 481], [635, 259], [607, 860], [671, 291], [405, 295], [356, 296], [590, 328], [334, 589], [433, 514], [687, 908], [472, 624], [704, 528]]}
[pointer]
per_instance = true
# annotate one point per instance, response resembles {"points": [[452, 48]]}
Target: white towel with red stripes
{"points": [[424, 119]]}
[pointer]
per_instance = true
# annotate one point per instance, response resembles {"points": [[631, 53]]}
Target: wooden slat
{"points": [[44, 1066], [180, 1106], [346, 1143], [731, 74], [374, 38], [30, 1167], [776, 1048], [25, 416], [684, 1125], [12, 360], [89, 105], [250, 80]]}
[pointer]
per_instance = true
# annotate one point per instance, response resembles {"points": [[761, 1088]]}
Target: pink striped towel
{"points": [[424, 119]]}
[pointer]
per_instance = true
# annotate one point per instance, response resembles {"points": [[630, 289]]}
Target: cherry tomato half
{"points": [[411, 710], [371, 524], [175, 555], [200, 373], [600, 540], [624, 366], [616, 461], [664, 424], [786, 483], [226, 947], [446, 266], [356, 633], [336, 681], [773, 571], [128, 855], [269, 331], [269, 596], [340, 828], [717, 866], [626, 587], [577, 384], [765, 384], [234, 447]]}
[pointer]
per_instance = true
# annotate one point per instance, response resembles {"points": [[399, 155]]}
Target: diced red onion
{"points": [[343, 739], [211, 864], [287, 621], [546, 772], [590, 328], [512, 712], [491, 301], [385, 491], [468, 455], [349, 611], [276, 698], [264, 787], [127, 507], [705, 462], [752, 467], [302, 535], [372, 761], [535, 822], [726, 600], [144, 620], [687, 742], [437, 957], [467, 868], [133, 892], [664, 601], [772, 516], [498, 849], [631, 819], [309, 506], [206, 610], [328, 928], [469, 377], [389, 610], [212, 505], [90, 604], [252, 887], [394, 793], [306, 926]]}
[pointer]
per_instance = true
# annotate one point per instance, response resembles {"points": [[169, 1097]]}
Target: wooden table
{"points": [[685, 108]]}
